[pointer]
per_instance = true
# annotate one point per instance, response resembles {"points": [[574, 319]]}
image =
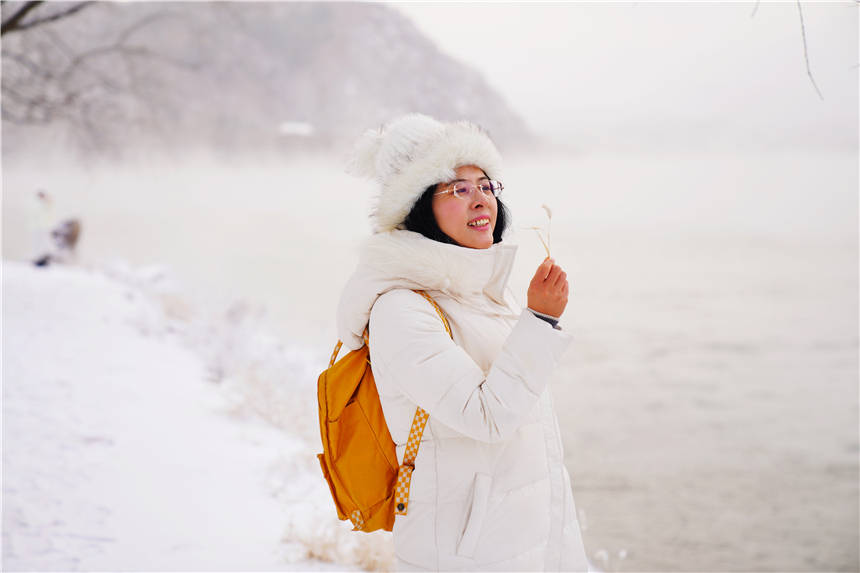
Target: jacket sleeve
{"points": [[411, 351]]}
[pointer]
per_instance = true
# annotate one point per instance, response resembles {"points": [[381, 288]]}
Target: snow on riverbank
{"points": [[141, 433]]}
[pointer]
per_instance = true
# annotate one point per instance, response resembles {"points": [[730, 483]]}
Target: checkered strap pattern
{"points": [[404, 472], [357, 520], [338, 346], [334, 353], [419, 421]]}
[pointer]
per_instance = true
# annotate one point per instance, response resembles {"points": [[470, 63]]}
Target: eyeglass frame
{"points": [[473, 186]]}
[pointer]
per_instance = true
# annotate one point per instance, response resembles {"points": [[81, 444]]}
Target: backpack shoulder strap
{"points": [[419, 421], [338, 346], [438, 311]]}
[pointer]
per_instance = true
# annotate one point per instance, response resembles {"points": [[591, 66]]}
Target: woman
{"points": [[489, 489]]}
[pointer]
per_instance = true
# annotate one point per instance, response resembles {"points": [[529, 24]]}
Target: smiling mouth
{"points": [[483, 221]]}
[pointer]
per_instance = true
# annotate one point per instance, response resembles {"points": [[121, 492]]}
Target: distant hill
{"points": [[240, 76]]}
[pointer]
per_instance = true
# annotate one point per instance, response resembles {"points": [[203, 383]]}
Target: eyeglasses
{"points": [[466, 190]]}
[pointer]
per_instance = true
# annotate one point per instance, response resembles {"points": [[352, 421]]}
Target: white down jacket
{"points": [[490, 490]]}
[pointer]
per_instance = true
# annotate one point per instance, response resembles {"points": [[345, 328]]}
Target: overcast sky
{"points": [[640, 69]]}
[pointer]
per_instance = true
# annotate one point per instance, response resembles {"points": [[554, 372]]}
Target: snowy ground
{"points": [[139, 434]]}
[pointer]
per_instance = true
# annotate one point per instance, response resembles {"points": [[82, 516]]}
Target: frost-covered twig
{"points": [[537, 230], [805, 47], [548, 226], [755, 9], [545, 246], [806, 52]]}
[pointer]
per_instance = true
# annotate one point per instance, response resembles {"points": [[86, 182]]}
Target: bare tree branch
{"points": [[28, 63], [46, 78], [11, 22], [142, 23], [806, 52], [15, 24], [755, 9]]}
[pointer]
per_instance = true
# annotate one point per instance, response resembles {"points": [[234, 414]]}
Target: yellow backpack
{"points": [[359, 460]]}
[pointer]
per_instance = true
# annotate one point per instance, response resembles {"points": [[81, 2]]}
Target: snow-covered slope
{"points": [[135, 436]]}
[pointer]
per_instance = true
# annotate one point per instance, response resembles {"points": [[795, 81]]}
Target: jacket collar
{"points": [[404, 259]]}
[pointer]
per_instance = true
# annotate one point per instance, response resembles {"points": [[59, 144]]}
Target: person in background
{"points": [[53, 243]]}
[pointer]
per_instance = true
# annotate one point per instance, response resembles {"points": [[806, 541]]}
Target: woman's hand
{"points": [[548, 289]]}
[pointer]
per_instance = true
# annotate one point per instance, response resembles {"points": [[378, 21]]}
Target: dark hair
{"points": [[422, 220]]}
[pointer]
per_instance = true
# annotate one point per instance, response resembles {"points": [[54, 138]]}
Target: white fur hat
{"points": [[413, 152]]}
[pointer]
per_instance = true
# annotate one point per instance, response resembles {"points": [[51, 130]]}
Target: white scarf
{"points": [[404, 259]]}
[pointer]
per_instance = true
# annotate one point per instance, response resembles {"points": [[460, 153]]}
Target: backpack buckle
{"points": [[401, 488]]}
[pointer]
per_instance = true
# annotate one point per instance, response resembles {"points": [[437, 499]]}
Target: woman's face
{"points": [[470, 221]]}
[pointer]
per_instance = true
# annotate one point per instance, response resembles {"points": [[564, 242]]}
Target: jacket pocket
{"points": [[477, 513]]}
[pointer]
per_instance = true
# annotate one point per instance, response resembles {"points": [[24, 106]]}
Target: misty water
{"points": [[709, 402]]}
